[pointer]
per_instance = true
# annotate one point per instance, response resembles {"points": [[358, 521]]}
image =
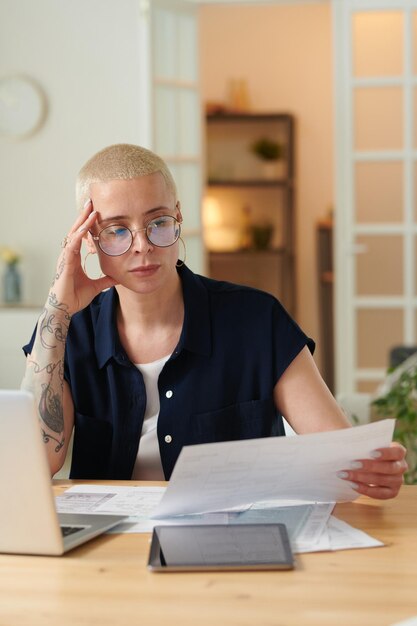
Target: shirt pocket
{"points": [[92, 447], [245, 420]]}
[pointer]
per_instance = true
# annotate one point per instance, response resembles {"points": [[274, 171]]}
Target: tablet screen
{"points": [[241, 546]]}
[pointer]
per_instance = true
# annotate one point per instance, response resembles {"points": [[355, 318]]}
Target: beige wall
{"points": [[285, 54]]}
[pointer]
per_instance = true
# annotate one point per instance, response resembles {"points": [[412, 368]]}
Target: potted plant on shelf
{"points": [[262, 235], [269, 152], [398, 399]]}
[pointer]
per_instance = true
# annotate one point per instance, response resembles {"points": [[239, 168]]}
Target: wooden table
{"points": [[106, 582]]}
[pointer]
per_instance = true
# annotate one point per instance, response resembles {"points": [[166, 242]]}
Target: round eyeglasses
{"points": [[162, 232]]}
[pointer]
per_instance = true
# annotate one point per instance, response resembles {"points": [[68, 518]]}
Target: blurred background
{"points": [[290, 128]]}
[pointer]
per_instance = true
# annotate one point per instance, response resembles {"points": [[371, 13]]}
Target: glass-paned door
{"points": [[376, 174], [169, 48]]}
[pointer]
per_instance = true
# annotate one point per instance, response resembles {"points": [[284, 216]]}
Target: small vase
{"points": [[261, 236], [11, 284]]}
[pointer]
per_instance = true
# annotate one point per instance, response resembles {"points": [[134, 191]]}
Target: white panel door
{"points": [[375, 43], [172, 113]]}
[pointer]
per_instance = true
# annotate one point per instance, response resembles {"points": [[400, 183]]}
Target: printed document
{"points": [[222, 476], [311, 527], [290, 480]]}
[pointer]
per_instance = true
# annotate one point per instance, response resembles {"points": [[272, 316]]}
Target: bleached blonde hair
{"points": [[121, 161]]}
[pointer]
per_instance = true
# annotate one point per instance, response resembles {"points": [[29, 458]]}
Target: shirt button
{"points": [[168, 438], [169, 393]]}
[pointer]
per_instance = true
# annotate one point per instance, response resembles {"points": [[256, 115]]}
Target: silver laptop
{"points": [[29, 521]]}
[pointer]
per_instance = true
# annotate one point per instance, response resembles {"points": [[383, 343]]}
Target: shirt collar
{"points": [[196, 332]]}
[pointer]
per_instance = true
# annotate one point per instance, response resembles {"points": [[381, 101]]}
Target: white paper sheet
{"points": [[137, 502], [313, 529], [218, 476], [305, 522], [344, 537]]}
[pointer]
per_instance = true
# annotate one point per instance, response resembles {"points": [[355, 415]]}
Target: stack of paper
{"points": [[290, 480]]}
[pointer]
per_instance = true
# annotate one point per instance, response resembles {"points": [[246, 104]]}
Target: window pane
{"points": [[188, 123], [195, 258], [367, 386], [415, 327], [378, 332], [415, 116], [378, 114], [378, 43], [188, 179], [379, 270], [164, 44], [165, 121], [414, 46], [188, 47], [415, 270], [379, 192]]}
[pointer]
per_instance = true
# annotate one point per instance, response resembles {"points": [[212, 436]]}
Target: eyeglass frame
{"points": [[138, 230]]}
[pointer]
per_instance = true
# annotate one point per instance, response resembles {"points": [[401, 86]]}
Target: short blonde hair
{"points": [[121, 161]]}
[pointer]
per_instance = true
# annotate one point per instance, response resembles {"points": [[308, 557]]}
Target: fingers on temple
{"points": [[83, 217], [76, 234]]}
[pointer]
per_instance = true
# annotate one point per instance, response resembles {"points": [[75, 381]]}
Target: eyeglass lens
{"points": [[161, 232]]}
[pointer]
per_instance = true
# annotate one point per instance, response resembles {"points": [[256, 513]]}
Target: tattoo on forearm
{"points": [[45, 371], [47, 438], [51, 410], [59, 270], [53, 301], [50, 368], [51, 326], [37, 368]]}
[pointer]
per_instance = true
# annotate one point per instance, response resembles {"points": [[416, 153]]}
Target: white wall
{"points": [[85, 55]]}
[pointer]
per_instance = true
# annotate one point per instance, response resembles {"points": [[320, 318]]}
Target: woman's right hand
{"points": [[71, 286]]}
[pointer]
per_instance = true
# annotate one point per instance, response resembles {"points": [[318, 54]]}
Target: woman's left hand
{"points": [[381, 476]]}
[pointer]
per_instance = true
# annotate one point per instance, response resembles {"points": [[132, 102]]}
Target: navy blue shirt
{"points": [[217, 385]]}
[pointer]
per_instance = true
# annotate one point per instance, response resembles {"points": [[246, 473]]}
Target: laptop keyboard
{"points": [[70, 530]]}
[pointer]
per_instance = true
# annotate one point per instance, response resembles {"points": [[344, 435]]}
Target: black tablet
{"points": [[220, 547]]}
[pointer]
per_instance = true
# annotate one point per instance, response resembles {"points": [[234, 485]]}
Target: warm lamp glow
{"points": [[219, 235], [212, 213]]}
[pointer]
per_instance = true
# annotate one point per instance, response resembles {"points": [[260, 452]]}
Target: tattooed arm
{"points": [[71, 291], [44, 377]]}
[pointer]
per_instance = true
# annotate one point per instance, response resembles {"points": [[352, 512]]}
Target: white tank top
{"points": [[148, 464]]}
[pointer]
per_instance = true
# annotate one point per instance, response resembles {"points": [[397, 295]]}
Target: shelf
{"points": [[262, 269], [248, 117], [7, 306], [241, 191]]}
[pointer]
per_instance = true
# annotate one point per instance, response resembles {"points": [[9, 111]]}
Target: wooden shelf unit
{"points": [[233, 169]]}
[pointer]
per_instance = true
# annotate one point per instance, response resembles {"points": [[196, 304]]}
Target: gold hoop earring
{"points": [[85, 270], [181, 262]]}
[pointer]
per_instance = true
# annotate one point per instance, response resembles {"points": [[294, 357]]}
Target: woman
{"points": [[164, 358]]}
